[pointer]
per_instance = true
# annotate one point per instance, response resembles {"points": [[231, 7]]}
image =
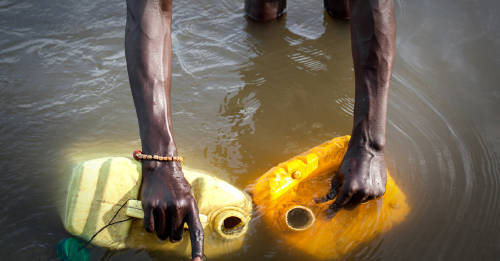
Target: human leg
{"points": [[337, 8], [264, 10]]}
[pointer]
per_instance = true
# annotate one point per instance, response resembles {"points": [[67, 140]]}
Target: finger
{"points": [[336, 182], [365, 199], [195, 230], [339, 203], [161, 223], [355, 200], [332, 210], [379, 194], [148, 218], [176, 227], [342, 199], [176, 234], [331, 195]]}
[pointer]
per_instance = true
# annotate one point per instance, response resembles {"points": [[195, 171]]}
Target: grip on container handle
{"points": [[134, 209]]}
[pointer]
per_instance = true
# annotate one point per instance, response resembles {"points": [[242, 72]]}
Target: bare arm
{"points": [[362, 175], [166, 196], [373, 37]]}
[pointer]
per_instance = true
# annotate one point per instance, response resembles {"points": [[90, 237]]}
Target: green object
{"points": [[72, 249]]}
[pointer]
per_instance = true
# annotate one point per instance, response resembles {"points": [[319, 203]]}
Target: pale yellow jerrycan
{"points": [[285, 194], [99, 187]]}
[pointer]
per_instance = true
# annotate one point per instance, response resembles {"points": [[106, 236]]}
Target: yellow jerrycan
{"points": [[285, 194], [100, 188]]}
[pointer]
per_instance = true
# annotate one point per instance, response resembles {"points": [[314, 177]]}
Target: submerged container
{"points": [[99, 187], [285, 194]]}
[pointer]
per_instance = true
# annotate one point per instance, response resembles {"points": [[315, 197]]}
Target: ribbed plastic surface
{"points": [[99, 187]]}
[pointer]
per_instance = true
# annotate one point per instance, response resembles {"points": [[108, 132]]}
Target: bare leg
{"points": [[337, 8], [264, 10], [362, 174], [166, 196]]}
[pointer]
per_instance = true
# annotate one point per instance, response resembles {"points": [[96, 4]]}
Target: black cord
{"points": [[104, 227], [110, 223]]}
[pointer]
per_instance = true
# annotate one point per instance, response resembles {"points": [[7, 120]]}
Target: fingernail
{"points": [[175, 240], [331, 211]]}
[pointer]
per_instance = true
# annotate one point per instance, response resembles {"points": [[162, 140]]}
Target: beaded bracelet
{"points": [[138, 155]]}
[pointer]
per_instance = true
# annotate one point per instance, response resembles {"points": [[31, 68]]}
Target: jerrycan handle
{"points": [[134, 209]]}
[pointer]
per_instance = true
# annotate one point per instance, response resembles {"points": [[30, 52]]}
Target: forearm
{"points": [[148, 50], [373, 31]]}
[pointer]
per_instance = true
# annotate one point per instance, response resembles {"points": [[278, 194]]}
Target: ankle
{"points": [[337, 8], [264, 10]]}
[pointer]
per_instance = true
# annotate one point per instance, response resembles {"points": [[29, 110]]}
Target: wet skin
{"points": [[362, 174], [166, 196]]}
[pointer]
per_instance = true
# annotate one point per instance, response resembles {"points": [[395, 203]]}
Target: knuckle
{"points": [[364, 192], [181, 203], [199, 234], [353, 191], [368, 191], [152, 202], [162, 205], [147, 204], [356, 186]]}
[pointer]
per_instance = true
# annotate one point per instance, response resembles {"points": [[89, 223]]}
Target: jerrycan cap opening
{"points": [[230, 224], [299, 218]]}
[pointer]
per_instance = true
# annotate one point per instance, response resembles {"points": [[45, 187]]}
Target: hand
{"points": [[168, 203], [362, 176]]}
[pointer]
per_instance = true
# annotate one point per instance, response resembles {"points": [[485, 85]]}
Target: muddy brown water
{"points": [[247, 96]]}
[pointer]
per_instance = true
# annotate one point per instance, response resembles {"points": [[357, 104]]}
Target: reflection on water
{"points": [[294, 89], [247, 96]]}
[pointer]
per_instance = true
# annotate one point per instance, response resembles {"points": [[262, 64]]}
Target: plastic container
{"points": [[99, 187], [285, 197]]}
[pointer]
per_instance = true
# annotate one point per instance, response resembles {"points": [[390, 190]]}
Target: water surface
{"points": [[247, 96]]}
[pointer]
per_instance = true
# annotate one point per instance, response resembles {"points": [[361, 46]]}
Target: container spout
{"points": [[299, 218], [230, 223]]}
